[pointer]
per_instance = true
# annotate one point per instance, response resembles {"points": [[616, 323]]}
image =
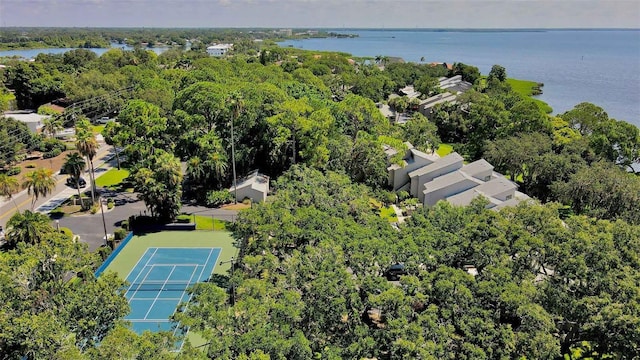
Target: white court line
{"points": [[138, 262], [145, 278], [189, 299], [149, 320], [141, 270], [156, 299]]}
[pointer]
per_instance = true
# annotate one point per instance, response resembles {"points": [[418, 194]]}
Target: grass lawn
{"points": [[525, 87], [112, 177], [389, 214], [444, 150], [209, 223], [97, 129]]}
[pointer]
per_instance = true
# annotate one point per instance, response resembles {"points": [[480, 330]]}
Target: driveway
{"points": [[90, 227]]}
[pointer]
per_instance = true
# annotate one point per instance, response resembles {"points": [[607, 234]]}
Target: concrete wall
{"points": [[417, 182], [400, 177], [249, 192]]}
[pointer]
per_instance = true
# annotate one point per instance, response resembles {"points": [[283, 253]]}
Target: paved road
{"points": [[58, 195]]}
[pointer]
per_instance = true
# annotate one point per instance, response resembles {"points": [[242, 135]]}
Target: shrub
{"points": [[49, 144], [110, 205], [120, 234], [403, 195], [67, 232], [51, 154], [14, 171], [217, 198], [30, 166], [94, 209], [183, 219], [125, 224], [47, 110]]}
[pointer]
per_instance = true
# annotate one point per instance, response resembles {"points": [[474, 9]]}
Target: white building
{"points": [[33, 121], [432, 179], [219, 49], [255, 187]]}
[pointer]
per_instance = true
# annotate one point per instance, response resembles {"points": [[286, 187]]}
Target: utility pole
{"points": [[104, 223], [231, 261], [233, 161]]}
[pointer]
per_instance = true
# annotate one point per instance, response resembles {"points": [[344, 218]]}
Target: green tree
{"points": [[8, 186], [52, 125], [498, 72], [28, 227], [74, 165], [87, 145], [422, 133], [112, 136], [40, 183], [160, 188]]}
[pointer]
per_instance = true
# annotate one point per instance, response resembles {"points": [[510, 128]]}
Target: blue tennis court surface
{"points": [[159, 282]]}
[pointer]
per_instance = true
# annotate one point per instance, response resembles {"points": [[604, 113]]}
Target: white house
{"points": [[219, 49], [33, 121], [254, 186]]}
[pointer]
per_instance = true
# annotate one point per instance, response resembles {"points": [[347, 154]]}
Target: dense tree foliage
{"points": [[310, 281], [481, 284]]}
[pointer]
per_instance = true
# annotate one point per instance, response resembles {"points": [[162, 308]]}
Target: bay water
{"points": [[597, 66]]}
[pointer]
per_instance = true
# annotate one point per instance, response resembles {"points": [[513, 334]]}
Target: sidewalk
{"points": [[59, 194]]}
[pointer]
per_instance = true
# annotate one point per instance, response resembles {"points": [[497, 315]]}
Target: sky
{"points": [[323, 13]]}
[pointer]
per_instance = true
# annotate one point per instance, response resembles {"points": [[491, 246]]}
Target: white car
{"points": [[104, 120]]}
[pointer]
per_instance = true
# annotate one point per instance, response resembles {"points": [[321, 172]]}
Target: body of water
{"points": [[597, 66], [32, 53]]}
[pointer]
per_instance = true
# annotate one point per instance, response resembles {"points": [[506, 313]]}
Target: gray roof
{"points": [[437, 99], [496, 186], [476, 167], [26, 117], [254, 180], [448, 179], [438, 164]]}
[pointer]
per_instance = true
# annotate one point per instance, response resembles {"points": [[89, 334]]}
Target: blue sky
{"points": [[324, 13]]}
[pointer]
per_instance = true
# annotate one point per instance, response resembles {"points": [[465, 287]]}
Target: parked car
{"points": [[104, 120], [71, 182], [394, 272]]}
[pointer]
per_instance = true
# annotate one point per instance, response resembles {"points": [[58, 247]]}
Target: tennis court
{"points": [[159, 268], [159, 282]]}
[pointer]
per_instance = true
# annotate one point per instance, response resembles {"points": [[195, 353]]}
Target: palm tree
{"points": [[87, 145], [28, 227], [74, 165], [218, 162], [195, 169], [52, 125], [9, 185], [39, 182]]}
